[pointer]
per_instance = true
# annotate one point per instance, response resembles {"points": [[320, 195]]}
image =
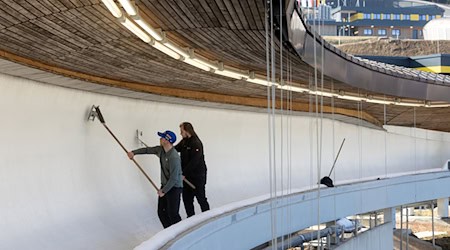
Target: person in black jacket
{"points": [[193, 167]]}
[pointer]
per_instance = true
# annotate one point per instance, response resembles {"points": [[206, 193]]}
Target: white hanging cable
{"points": [[316, 124], [282, 83], [333, 151], [289, 150], [270, 111], [415, 141], [415, 157], [360, 115], [386, 189], [385, 140]]}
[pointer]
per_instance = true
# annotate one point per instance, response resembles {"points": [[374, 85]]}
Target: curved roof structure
{"points": [[437, 29], [83, 40]]}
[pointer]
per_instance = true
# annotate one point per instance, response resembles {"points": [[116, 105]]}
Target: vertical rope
{"points": [[407, 228], [401, 227], [289, 148], [415, 142], [386, 192], [432, 223], [316, 123], [333, 151], [385, 139], [269, 74], [281, 118], [359, 104]]}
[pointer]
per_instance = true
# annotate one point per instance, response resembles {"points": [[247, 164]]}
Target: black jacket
{"points": [[192, 159]]}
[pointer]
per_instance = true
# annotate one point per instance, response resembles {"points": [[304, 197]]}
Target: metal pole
{"points": [[401, 227], [135, 162], [95, 112], [334, 163], [432, 223], [376, 219], [407, 228]]}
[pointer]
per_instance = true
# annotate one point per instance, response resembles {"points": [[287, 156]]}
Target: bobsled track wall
{"points": [[66, 184]]}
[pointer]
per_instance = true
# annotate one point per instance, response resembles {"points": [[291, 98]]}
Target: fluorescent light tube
{"points": [[196, 64], [136, 30], [149, 29], [113, 8], [379, 101], [259, 81], [294, 89], [129, 7], [211, 65], [410, 104], [231, 74], [351, 98], [438, 105], [159, 46], [321, 93], [177, 49]]}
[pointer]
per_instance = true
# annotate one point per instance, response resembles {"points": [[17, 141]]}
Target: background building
{"points": [[384, 18], [438, 29]]}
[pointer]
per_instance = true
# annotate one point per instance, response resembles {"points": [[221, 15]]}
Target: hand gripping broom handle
{"points": [[342, 144], [100, 117], [185, 180]]}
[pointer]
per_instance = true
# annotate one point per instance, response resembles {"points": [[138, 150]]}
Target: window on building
{"points": [[387, 16], [368, 32], [432, 17], [376, 16], [406, 17], [396, 33], [366, 16], [382, 32], [396, 17], [422, 17]]}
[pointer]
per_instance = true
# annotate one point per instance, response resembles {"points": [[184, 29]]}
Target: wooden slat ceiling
{"points": [[81, 39]]}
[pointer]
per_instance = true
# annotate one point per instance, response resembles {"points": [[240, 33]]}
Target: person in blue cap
{"points": [[171, 179]]}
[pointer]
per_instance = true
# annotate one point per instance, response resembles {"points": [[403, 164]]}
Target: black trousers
{"points": [[188, 198], [169, 206]]}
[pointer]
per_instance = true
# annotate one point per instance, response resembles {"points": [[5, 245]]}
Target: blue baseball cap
{"points": [[169, 136]]}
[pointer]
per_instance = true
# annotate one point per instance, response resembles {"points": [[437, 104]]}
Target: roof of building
{"points": [[324, 22], [388, 23], [441, 23], [429, 9]]}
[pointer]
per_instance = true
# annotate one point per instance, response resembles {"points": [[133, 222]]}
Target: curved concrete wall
{"points": [[66, 184], [250, 224]]}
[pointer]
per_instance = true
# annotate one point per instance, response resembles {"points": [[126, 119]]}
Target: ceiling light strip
{"points": [[129, 7], [156, 34], [112, 7], [136, 30], [231, 74], [202, 61], [183, 52], [259, 81], [196, 64], [179, 53], [159, 46]]}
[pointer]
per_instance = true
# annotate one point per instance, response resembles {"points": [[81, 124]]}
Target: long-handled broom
{"points": [[327, 181], [95, 112]]}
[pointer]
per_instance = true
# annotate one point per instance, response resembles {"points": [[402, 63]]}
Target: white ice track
{"points": [[66, 184]]}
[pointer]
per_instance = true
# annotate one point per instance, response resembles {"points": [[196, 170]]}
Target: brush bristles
{"points": [[99, 114]]}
